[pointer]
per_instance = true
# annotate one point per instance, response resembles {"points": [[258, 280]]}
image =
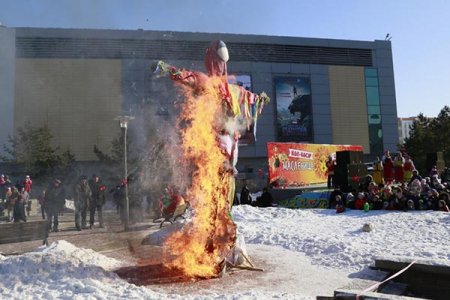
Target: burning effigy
{"points": [[212, 114]]}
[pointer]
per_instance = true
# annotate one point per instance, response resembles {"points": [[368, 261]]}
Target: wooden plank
{"points": [[21, 232]]}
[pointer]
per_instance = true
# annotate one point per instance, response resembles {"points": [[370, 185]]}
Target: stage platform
{"points": [[311, 196]]}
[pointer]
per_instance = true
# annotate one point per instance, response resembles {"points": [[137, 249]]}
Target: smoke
{"points": [[155, 131]]}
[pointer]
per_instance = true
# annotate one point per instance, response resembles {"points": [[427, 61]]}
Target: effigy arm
{"points": [[181, 75]]}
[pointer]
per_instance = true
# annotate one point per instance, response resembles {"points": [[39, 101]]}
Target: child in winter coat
{"points": [[360, 201], [340, 208]]}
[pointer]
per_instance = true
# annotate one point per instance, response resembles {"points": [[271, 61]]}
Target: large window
{"points": [[373, 111]]}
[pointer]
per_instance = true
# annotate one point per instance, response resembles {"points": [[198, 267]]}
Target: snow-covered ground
{"points": [[309, 252]]}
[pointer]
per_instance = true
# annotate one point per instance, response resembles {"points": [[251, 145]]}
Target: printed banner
{"points": [[294, 109], [307, 200], [296, 165]]}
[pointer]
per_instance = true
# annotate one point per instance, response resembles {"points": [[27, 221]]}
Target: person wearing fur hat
{"points": [[350, 200]]}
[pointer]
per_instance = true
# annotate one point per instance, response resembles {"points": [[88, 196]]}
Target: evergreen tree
{"points": [[429, 136], [32, 146]]}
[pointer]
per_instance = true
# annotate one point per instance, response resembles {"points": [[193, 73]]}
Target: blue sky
{"points": [[420, 30]]}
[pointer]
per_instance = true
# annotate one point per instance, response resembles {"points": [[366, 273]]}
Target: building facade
{"points": [[404, 128], [77, 80]]}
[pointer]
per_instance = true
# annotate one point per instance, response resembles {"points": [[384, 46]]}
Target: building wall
{"points": [[77, 98], [7, 75], [383, 61], [348, 106], [340, 113], [404, 128]]}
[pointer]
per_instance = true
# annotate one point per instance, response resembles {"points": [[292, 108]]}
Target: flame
{"points": [[198, 248]]}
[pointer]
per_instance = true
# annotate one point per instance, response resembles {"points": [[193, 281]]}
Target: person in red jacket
{"points": [[330, 163], [27, 184], [360, 200], [399, 163]]}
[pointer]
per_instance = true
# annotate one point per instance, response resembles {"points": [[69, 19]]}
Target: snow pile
{"points": [[305, 253], [63, 271], [337, 240]]}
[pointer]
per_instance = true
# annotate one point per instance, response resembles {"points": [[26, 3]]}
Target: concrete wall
{"points": [[78, 99], [7, 77]]}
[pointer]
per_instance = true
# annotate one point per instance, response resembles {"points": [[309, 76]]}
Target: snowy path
{"points": [[305, 253]]}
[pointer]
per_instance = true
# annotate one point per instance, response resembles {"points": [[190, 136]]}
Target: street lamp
{"points": [[123, 122]]}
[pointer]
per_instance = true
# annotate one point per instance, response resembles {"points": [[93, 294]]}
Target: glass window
{"points": [[374, 119], [371, 81], [373, 98], [373, 109], [371, 72]]}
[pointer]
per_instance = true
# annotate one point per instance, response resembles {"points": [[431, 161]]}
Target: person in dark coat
{"points": [[332, 199], [82, 198], [265, 200], [98, 200], [2, 187], [19, 205], [119, 197], [245, 195], [54, 195]]}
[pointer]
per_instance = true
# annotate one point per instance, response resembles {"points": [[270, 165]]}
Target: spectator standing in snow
{"points": [[265, 200], [19, 205], [55, 194], [98, 200], [83, 194], [245, 195], [28, 184], [2, 187]]}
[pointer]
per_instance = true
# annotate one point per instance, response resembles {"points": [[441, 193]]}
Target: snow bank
{"points": [[63, 271], [307, 253], [337, 241]]}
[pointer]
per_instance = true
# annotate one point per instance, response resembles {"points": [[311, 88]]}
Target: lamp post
{"points": [[123, 122]]}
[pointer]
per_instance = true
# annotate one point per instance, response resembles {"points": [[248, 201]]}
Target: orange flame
{"points": [[200, 246]]}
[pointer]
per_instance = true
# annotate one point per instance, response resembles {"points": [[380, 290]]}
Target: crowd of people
{"points": [[395, 184], [15, 198], [87, 195]]}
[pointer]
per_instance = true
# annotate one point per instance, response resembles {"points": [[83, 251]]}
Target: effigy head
{"points": [[216, 58]]}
